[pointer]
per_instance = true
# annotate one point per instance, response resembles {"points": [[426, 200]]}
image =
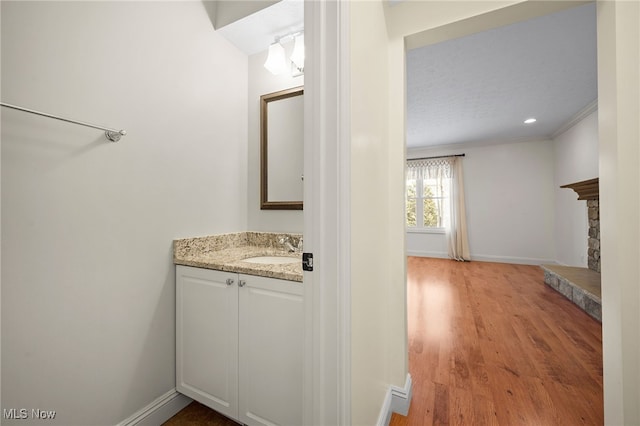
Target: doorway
{"points": [[436, 246]]}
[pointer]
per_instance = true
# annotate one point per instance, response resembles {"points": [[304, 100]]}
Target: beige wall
{"points": [[377, 261], [619, 134]]}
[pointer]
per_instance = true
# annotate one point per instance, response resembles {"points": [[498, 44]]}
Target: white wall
{"points": [[88, 304], [576, 159], [509, 203], [538, 168], [378, 309], [262, 82]]}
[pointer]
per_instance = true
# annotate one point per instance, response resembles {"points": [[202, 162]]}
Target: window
{"points": [[428, 189]]}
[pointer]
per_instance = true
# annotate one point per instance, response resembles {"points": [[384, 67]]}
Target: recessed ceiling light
{"points": [[530, 121]]}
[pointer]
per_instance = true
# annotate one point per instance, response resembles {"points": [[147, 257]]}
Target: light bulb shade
{"points": [[297, 56], [276, 62]]}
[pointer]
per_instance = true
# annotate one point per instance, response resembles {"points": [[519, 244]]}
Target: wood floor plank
{"points": [[441, 404], [491, 344]]}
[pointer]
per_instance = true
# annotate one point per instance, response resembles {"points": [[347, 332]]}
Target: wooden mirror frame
{"points": [[265, 204]]}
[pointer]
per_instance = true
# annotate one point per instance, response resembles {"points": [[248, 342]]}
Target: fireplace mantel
{"points": [[586, 189]]}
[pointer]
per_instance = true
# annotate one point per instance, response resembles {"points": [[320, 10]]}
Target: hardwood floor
{"points": [[196, 414], [491, 344]]}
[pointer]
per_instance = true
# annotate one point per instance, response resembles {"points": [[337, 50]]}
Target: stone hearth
{"points": [[582, 285]]}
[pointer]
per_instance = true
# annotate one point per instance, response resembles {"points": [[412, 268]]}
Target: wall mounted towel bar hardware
{"points": [[112, 134]]}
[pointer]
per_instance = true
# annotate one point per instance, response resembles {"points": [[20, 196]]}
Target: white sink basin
{"points": [[273, 260]]}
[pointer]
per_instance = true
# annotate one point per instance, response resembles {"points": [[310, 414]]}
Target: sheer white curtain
{"points": [[433, 173], [434, 176], [457, 230]]}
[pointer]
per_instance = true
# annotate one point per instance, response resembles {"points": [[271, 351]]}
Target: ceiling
{"points": [[482, 87], [254, 33], [478, 88]]}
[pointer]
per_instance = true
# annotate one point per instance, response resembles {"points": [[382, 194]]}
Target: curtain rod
{"points": [[439, 156], [112, 134]]}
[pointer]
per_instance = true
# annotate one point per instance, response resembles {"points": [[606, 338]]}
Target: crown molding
{"points": [[578, 117], [455, 147]]}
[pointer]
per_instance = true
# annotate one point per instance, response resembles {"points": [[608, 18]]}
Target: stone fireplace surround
{"points": [[582, 285], [588, 190], [593, 253]]}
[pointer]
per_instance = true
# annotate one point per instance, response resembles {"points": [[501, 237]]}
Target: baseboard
{"points": [[158, 411], [418, 253], [509, 259], [487, 258], [396, 400]]}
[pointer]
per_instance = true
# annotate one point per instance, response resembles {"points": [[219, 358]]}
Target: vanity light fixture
{"points": [[276, 61], [297, 56], [530, 120]]}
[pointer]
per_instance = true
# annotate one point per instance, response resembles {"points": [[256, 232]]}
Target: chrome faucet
{"points": [[284, 240]]}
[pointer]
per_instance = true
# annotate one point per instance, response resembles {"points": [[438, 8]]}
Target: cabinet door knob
{"points": [[242, 283], [230, 281]]}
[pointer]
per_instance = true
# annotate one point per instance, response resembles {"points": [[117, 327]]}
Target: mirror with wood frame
{"points": [[282, 149]]}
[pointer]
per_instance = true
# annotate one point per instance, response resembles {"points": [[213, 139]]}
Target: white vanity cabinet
{"points": [[207, 337], [240, 344]]}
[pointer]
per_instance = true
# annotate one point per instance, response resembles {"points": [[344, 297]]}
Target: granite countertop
{"points": [[226, 253]]}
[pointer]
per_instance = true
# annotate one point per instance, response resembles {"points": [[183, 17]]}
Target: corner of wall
{"points": [[159, 410], [396, 400]]}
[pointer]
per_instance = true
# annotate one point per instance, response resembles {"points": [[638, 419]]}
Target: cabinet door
{"points": [[271, 351], [207, 337]]}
